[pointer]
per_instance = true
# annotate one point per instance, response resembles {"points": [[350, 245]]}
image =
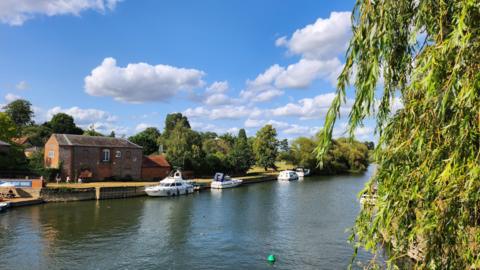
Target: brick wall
{"points": [[155, 173]]}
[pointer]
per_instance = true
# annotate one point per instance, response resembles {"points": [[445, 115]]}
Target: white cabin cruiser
{"points": [[301, 172], [173, 185], [288, 175], [221, 181]]}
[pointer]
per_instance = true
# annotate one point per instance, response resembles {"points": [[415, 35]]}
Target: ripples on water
{"points": [[303, 223]]}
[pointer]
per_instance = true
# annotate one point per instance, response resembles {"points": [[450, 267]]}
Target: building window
{"points": [[118, 154], [106, 155], [51, 154]]}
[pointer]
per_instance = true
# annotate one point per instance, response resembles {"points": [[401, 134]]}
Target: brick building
{"points": [[155, 167], [92, 156]]}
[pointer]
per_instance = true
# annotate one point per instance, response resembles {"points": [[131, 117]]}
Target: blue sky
{"points": [[124, 65]]}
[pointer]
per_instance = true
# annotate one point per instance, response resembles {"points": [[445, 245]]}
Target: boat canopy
{"points": [[219, 177]]}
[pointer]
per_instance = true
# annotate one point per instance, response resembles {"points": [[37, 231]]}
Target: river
{"points": [[303, 223]]}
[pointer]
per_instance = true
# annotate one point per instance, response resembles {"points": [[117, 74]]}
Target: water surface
{"points": [[303, 223]]}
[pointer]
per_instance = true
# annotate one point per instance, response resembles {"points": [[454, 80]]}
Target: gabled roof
{"points": [[93, 141], [2, 143], [155, 161]]}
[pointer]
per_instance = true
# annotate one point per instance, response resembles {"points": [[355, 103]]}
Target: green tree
{"points": [[241, 156], [428, 173], [147, 139], [179, 146], [92, 132], [8, 129], [112, 134], [20, 111], [37, 135], [172, 120], [62, 123], [265, 147]]}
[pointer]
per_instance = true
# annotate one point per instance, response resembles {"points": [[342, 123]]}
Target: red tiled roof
{"points": [[155, 161], [21, 140]]}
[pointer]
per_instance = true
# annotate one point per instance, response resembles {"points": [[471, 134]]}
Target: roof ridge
{"points": [[67, 139]]}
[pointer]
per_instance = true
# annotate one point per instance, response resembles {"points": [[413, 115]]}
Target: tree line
{"points": [[202, 152]]}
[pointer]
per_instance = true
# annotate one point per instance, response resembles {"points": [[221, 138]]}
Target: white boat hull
{"points": [[225, 184], [287, 179], [167, 192]]}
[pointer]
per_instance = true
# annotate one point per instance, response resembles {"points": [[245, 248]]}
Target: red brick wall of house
{"points": [[155, 173]]}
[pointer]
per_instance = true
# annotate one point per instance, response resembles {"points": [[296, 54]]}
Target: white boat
{"points": [[287, 176], [173, 185], [301, 172], [221, 181], [4, 205]]}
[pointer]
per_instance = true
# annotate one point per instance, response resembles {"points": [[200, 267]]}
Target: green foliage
{"points": [[92, 132], [112, 134], [344, 156], [8, 129], [265, 147], [36, 165], [14, 159], [427, 180], [62, 123], [174, 119], [148, 139], [20, 112], [37, 135], [241, 156]]}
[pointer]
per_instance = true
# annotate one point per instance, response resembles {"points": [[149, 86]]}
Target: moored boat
{"points": [[287, 175], [3, 206], [301, 172], [172, 185], [221, 181]]}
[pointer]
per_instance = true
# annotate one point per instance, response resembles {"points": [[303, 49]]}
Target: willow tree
{"points": [[427, 180]]}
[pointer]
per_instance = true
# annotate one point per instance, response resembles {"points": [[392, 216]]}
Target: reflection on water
{"points": [[302, 222]]}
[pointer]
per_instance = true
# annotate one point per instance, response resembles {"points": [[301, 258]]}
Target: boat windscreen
{"points": [[219, 177]]}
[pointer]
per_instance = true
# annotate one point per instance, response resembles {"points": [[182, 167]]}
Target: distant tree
{"points": [[37, 135], [148, 139], [92, 132], [241, 157], [265, 147], [8, 129], [172, 120], [303, 152], [179, 146], [63, 124], [283, 145], [112, 134], [370, 145], [20, 111]]}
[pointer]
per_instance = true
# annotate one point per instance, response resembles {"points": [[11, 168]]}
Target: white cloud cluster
{"points": [[286, 128], [319, 45], [22, 85], [9, 97], [204, 127], [83, 116], [140, 82], [222, 112], [325, 39], [16, 12], [306, 108], [216, 94]]}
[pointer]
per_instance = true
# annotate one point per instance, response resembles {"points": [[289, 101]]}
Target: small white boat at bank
{"points": [[301, 172], [173, 185], [3, 206], [221, 181], [287, 176]]}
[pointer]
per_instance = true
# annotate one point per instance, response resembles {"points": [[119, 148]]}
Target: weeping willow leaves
{"points": [[428, 176]]}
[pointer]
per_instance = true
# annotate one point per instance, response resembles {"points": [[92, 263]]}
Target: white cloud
{"points": [[204, 127], [305, 71], [140, 82], [218, 87], [11, 97], [325, 39], [223, 112], [262, 89], [23, 85], [83, 116], [16, 12], [142, 126], [306, 108]]}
